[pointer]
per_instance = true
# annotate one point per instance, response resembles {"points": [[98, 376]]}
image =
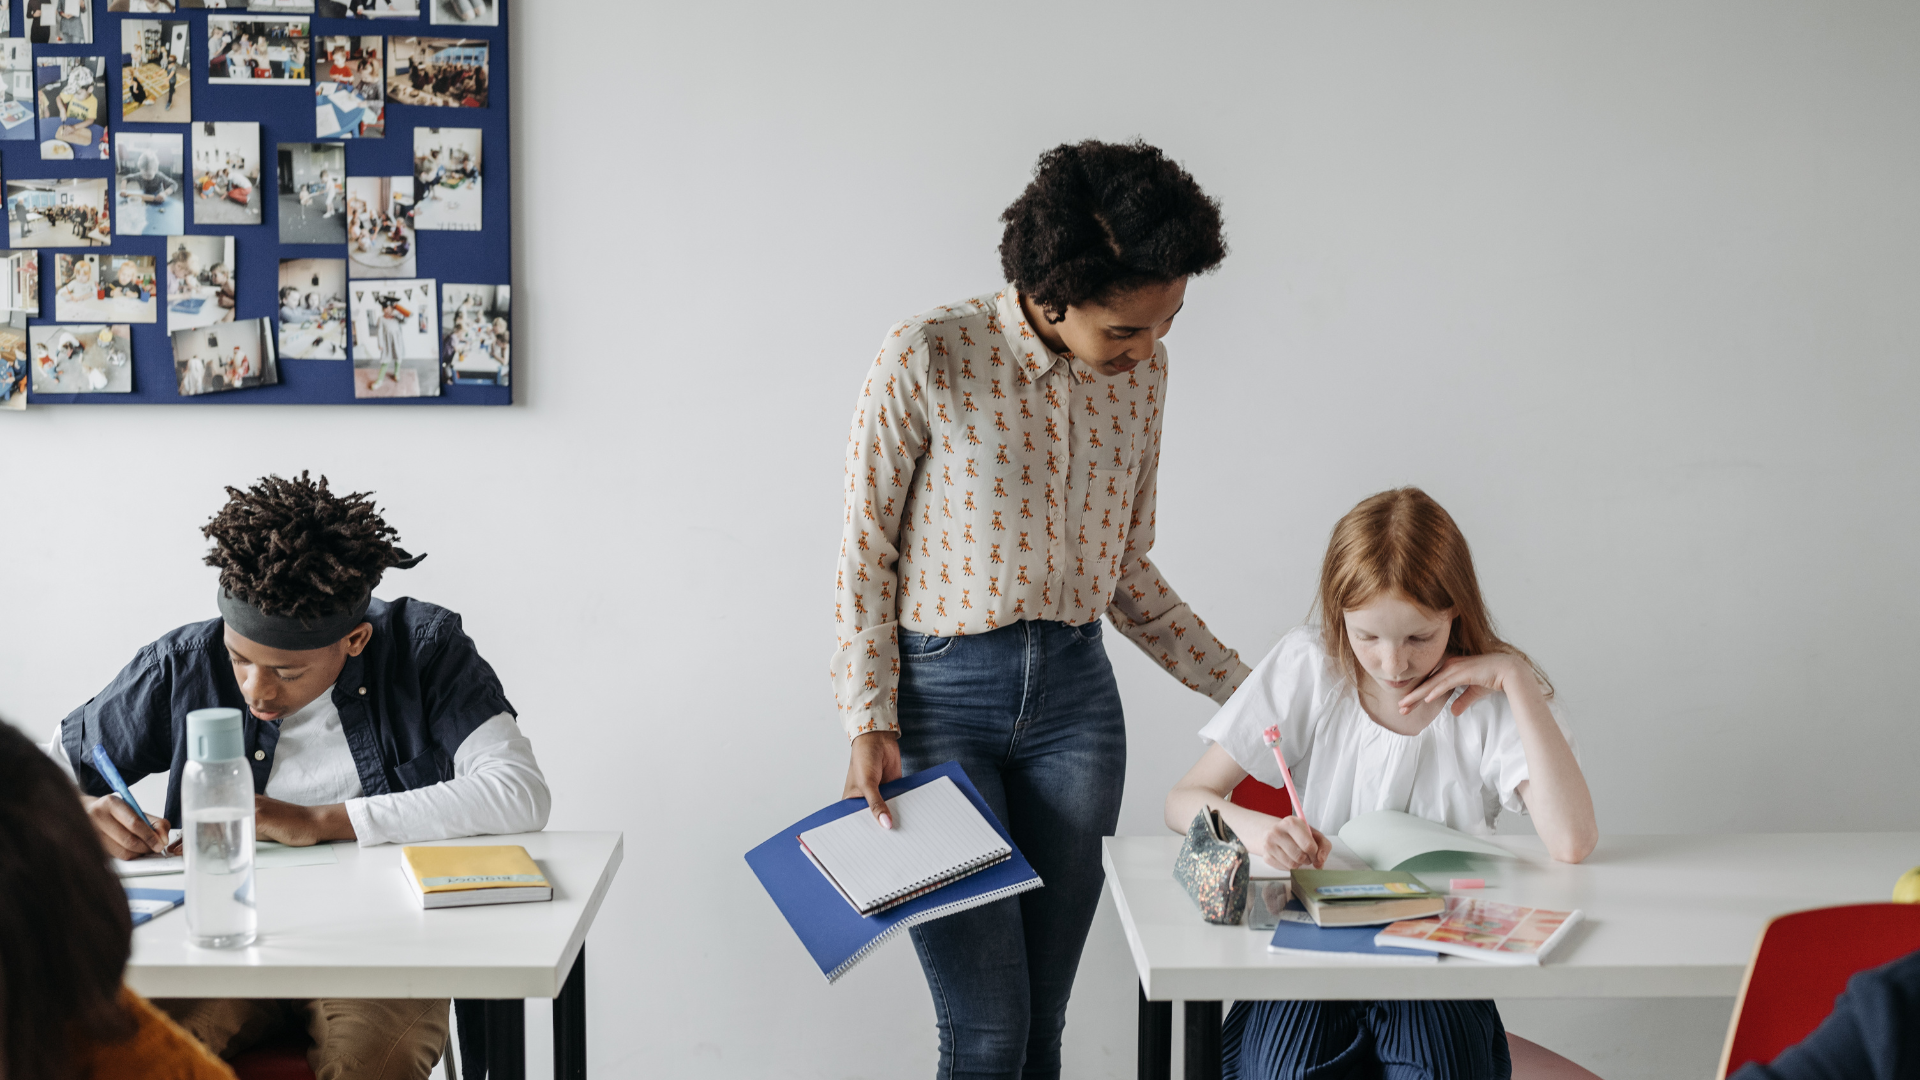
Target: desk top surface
{"points": [[354, 929], [1666, 916]]}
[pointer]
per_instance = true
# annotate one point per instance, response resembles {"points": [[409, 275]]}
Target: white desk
{"points": [[1666, 916], [354, 929]]}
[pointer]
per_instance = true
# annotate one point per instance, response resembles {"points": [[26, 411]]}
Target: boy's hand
{"points": [[122, 832], [1291, 843], [1481, 675], [300, 826]]}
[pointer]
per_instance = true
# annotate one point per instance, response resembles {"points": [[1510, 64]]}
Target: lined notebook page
{"points": [[937, 836]]}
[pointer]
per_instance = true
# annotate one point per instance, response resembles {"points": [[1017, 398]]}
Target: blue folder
{"points": [[146, 903], [839, 937], [1334, 939]]}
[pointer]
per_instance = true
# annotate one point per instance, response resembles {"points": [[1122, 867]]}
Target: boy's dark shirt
{"points": [[406, 704]]}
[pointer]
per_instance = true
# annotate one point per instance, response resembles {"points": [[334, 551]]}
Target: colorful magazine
{"points": [[1484, 930]]}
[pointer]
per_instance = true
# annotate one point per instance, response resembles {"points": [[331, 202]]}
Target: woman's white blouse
{"points": [[1459, 770]]}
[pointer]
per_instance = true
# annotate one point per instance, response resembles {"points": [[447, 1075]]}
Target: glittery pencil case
{"points": [[1213, 868]]}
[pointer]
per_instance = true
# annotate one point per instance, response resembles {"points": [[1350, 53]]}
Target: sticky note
{"points": [[1467, 883]]}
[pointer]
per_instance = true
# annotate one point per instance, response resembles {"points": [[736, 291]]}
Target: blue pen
{"points": [[104, 765]]}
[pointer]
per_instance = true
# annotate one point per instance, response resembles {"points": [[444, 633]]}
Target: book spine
{"points": [[929, 915]]}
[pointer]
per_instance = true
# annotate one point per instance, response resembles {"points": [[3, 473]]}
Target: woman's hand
{"points": [[875, 760], [1289, 843], [1481, 675]]}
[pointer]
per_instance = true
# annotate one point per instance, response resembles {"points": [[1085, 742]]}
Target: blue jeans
{"points": [[1364, 1040], [1032, 714]]}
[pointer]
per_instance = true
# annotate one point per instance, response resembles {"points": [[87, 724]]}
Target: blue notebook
{"points": [[839, 937], [1297, 933], [146, 903]]}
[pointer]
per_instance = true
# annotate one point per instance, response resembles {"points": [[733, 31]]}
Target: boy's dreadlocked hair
{"points": [[292, 548]]}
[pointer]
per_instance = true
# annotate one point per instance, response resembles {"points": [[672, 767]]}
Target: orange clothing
{"points": [[159, 1050]]}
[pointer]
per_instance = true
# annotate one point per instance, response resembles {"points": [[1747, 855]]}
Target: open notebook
{"points": [[938, 837]]}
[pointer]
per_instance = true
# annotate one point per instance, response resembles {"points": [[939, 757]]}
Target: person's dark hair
{"points": [[1102, 218], [65, 932], [293, 548]]}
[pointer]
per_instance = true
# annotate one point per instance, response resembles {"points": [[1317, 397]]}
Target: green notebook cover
{"points": [[1364, 897], [1358, 886]]}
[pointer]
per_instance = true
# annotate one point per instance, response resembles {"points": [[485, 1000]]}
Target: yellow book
{"points": [[450, 876]]}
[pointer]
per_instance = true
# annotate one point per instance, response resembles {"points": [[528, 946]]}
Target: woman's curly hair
{"points": [[292, 548], [1102, 218]]}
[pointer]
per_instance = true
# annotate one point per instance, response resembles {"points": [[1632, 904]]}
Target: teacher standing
{"points": [[1000, 495]]}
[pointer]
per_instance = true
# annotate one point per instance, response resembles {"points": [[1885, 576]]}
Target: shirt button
{"points": [[259, 755], [363, 691]]}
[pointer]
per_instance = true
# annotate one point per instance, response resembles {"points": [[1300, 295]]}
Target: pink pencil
{"points": [[1272, 735]]}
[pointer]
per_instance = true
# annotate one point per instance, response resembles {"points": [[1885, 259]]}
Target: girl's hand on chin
{"points": [[1481, 675], [1291, 843]]}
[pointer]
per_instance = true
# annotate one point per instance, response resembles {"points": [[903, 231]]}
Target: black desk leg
{"points": [[1203, 1040], [570, 1023], [1156, 1038], [506, 1040]]}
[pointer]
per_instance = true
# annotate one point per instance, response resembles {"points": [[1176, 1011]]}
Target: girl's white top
{"points": [[1459, 770]]}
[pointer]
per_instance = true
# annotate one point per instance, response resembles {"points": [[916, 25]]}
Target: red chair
{"points": [[1801, 964], [1254, 795]]}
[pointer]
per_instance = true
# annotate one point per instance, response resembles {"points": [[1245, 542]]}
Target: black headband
{"points": [[295, 634]]}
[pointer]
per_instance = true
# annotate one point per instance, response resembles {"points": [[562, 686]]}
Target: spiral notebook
{"points": [[825, 917], [937, 838]]}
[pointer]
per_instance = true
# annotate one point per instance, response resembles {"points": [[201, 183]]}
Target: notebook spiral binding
{"points": [[928, 915], [926, 885]]}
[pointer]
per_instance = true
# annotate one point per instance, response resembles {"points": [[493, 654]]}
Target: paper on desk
{"points": [[266, 856], [1339, 859], [1388, 839]]}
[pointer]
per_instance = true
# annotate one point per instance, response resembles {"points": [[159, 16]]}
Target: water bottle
{"points": [[216, 799]]}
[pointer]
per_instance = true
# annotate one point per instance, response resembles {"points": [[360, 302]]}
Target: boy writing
{"points": [[365, 720]]}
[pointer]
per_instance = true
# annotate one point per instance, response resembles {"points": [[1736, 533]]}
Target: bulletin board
{"points": [[293, 105]]}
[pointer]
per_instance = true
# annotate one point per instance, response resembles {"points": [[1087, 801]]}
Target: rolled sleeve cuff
{"points": [[365, 832]]}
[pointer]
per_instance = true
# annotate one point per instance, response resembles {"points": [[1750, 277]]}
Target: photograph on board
{"points": [[87, 358], [201, 290], [19, 284], [234, 356], [226, 173], [156, 71], [465, 12], [141, 7], [58, 213], [380, 226], [396, 339], [446, 173], [265, 50], [60, 22], [73, 118], [349, 100], [450, 72], [105, 288], [313, 309], [279, 7], [369, 9], [17, 109], [313, 204], [13, 368], [477, 349], [152, 184]]}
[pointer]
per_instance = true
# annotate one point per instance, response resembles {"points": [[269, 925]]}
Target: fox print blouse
{"points": [[990, 481]]}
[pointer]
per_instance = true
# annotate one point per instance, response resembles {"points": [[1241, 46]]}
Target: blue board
{"points": [[286, 115]]}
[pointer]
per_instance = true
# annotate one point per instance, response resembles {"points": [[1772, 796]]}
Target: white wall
{"points": [[1628, 287]]}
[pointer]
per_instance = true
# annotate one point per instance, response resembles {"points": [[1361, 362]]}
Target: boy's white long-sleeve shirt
{"points": [[497, 785]]}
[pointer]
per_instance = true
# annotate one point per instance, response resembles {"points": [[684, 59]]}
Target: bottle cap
{"points": [[214, 735]]}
